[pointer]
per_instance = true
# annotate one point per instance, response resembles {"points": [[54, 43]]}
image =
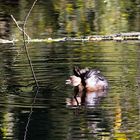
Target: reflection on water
{"points": [[116, 116], [59, 18], [90, 100]]}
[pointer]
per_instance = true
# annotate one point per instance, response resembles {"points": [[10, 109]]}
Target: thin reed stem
{"points": [[32, 69], [20, 27], [25, 44]]}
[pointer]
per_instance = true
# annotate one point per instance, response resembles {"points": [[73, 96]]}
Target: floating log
{"points": [[115, 37]]}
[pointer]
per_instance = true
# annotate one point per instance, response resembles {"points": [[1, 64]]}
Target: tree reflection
{"points": [[78, 18]]}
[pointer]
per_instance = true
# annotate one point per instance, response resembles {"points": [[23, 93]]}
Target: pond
{"points": [[47, 117]]}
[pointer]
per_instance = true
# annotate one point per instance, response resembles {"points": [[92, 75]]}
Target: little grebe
{"points": [[86, 81]]}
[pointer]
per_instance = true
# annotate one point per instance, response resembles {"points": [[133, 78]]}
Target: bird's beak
{"points": [[68, 82]]}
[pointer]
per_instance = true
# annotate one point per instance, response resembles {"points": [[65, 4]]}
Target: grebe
{"points": [[90, 79], [85, 81]]}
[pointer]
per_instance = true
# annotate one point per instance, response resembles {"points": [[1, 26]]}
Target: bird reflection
{"points": [[90, 99]]}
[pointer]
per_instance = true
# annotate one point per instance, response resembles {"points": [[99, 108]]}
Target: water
{"points": [[115, 117]]}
